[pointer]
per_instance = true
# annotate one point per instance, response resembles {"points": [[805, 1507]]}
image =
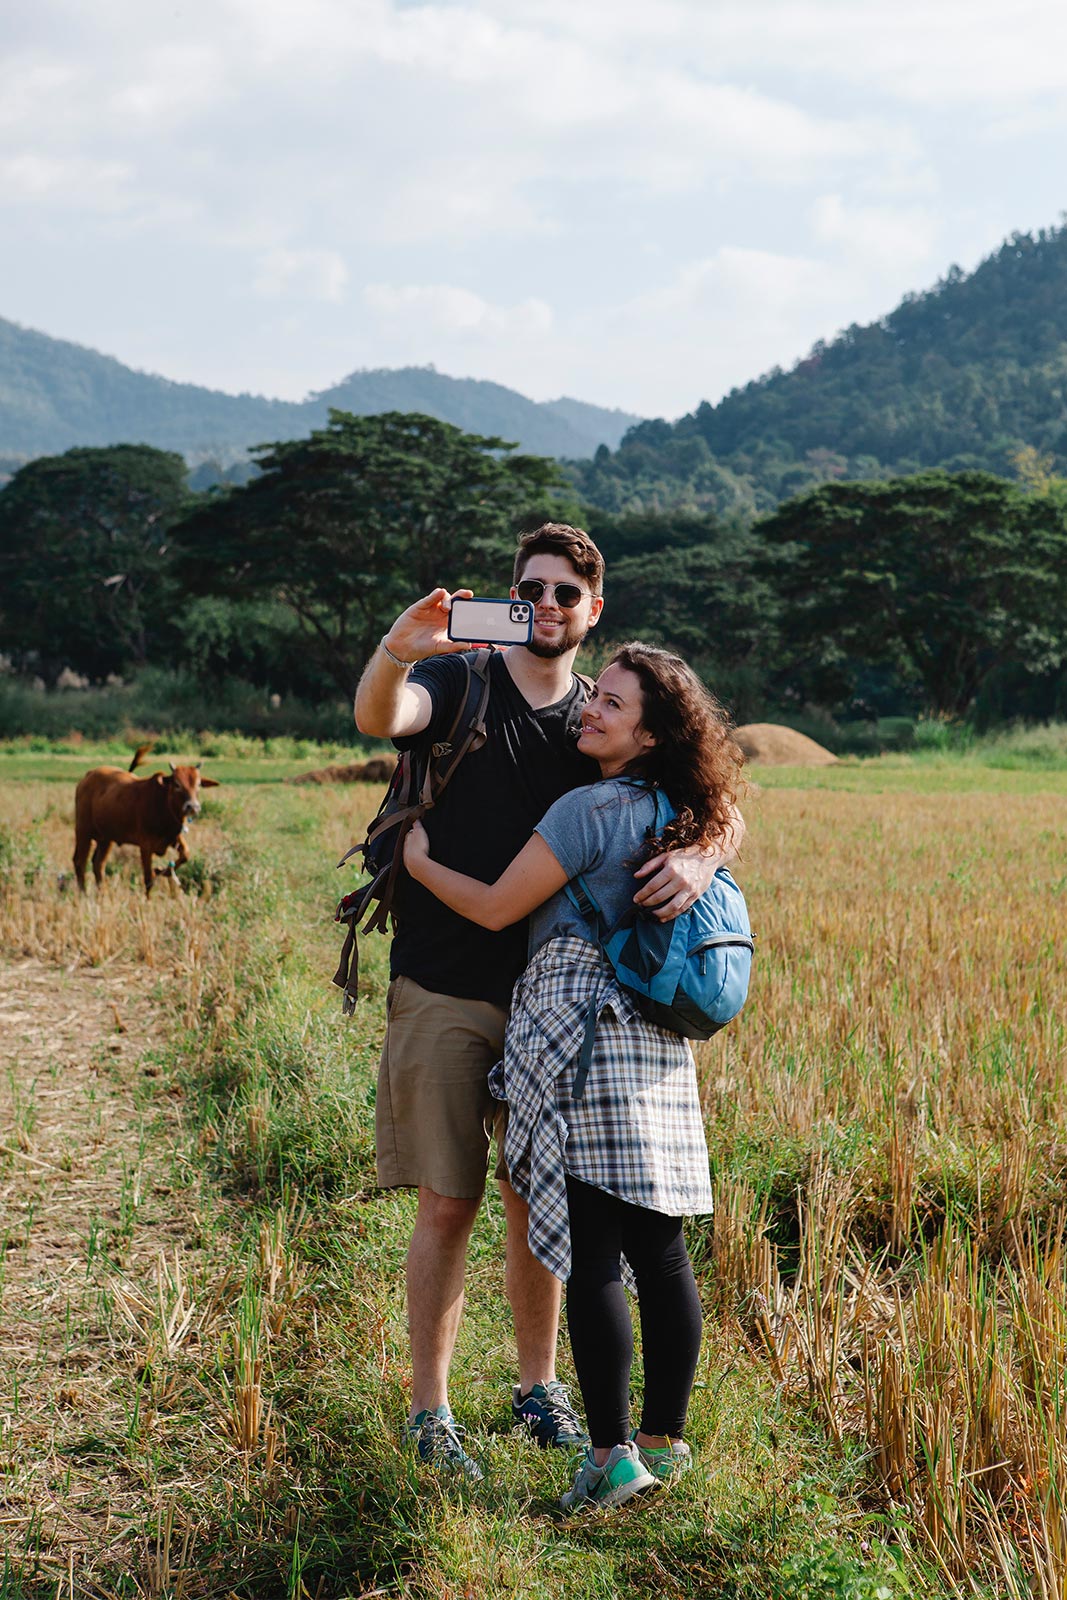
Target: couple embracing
{"points": [[492, 967]]}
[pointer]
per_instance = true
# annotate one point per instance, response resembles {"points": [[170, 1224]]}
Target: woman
{"points": [[611, 1169]]}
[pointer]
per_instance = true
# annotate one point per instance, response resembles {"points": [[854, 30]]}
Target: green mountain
{"points": [[548, 428], [961, 376], [54, 395]]}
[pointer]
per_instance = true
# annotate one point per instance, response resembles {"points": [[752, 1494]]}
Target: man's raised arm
{"points": [[387, 705]]}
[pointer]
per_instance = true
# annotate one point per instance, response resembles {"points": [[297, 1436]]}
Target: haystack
{"points": [[379, 769], [769, 744]]}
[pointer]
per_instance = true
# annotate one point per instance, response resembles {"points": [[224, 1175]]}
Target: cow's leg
{"points": [[181, 851], [170, 874], [82, 845], [100, 855], [146, 867]]}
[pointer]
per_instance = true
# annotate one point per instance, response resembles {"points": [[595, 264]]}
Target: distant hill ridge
{"points": [[959, 376], [55, 394]]}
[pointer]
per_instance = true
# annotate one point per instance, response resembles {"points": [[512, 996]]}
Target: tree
{"points": [[84, 557], [1034, 470], [943, 578], [346, 527], [688, 583]]}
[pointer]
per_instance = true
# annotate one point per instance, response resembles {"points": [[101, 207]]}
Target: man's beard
{"points": [[548, 650]]}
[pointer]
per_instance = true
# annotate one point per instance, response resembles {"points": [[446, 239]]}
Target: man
{"points": [[451, 980]]}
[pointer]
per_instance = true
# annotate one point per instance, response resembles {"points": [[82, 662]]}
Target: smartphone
{"points": [[491, 621]]}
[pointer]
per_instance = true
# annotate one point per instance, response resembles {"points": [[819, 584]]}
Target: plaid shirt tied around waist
{"points": [[637, 1130]]}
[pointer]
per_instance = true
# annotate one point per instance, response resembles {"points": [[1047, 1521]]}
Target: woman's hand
{"points": [[416, 849]]}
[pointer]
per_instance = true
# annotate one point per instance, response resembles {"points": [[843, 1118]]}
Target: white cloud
{"points": [[929, 52], [406, 124], [900, 234], [26, 85], [173, 84], [749, 280], [709, 325], [726, 318], [452, 200], [735, 180], [433, 309], [70, 181], [302, 274]]}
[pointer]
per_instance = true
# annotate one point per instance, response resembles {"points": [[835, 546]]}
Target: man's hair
{"points": [[560, 539]]}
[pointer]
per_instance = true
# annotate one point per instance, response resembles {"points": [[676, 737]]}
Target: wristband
{"points": [[405, 666]]}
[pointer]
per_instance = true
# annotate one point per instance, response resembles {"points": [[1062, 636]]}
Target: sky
{"points": [[639, 203]]}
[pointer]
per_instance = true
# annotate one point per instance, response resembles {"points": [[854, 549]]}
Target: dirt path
{"points": [[92, 1196]]}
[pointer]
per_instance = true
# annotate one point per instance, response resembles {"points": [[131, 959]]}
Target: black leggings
{"points": [[598, 1314]]}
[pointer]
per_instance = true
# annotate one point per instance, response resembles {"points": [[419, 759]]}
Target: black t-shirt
{"points": [[487, 813]]}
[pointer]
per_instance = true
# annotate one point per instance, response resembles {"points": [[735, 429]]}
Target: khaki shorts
{"points": [[434, 1113]]}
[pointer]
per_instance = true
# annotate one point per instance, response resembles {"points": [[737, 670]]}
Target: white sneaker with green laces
{"points": [[620, 1478]]}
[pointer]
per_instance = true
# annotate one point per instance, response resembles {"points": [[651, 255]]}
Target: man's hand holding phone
{"points": [[422, 630]]}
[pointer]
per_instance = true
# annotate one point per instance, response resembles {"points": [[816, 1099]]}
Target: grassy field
{"points": [[208, 1380]]}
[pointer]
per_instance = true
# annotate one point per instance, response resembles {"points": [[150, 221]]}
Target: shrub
{"points": [[164, 703], [22, 860], [943, 735]]}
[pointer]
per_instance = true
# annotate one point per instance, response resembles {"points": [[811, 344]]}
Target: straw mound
{"points": [[379, 769], [771, 745]]}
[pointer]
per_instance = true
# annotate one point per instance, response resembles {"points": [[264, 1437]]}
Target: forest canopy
{"points": [[939, 592]]}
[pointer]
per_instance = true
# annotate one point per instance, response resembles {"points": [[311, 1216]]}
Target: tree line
{"points": [[940, 592]]}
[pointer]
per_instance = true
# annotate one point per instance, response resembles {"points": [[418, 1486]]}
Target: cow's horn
{"points": [[173, 768]]}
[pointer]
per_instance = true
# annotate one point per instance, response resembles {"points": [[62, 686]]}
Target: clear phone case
{"points": [[491, 621]]}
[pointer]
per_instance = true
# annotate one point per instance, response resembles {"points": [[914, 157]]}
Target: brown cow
{"points": [[113, 807]]}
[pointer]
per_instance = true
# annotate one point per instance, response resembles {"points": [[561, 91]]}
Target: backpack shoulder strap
{"points": [[581, 898], [468, 730], [466, 733]]}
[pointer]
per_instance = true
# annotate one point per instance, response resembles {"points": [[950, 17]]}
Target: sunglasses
{"points": [[567, 594]]}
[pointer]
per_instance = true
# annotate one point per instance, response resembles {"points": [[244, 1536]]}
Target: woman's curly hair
{"points": [[694, 760]]}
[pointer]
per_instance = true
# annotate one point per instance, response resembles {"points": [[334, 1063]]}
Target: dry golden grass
{"points": [[888, 1125], [899, 1078], [125, 1319]]}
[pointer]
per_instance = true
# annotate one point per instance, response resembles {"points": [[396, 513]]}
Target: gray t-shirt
{"points": [[595, 831]]}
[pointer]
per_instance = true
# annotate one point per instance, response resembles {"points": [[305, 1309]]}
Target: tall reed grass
{"points": [[889, 1124]]}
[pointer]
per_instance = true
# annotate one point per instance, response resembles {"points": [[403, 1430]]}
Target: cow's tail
{"points": [[139, 755]]}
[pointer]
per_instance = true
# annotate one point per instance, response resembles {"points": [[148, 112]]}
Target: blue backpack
{"points": [[689, 975]]}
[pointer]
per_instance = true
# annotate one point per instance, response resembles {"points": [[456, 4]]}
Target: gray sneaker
{"points": [[666, 1463], [438, 1439], [548, 1414], [620, 1478]]}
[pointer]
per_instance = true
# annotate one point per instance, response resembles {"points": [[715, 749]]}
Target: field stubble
{"points": [[889, 1128], [886, 1269]]}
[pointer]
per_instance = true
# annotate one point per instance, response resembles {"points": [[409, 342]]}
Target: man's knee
{"points": [[449, 1217]]}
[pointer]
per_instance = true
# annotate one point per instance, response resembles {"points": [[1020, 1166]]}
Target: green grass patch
{"points": [[977, 772]]}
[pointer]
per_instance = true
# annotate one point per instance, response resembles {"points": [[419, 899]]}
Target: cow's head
{"points": [[183, 790]]}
